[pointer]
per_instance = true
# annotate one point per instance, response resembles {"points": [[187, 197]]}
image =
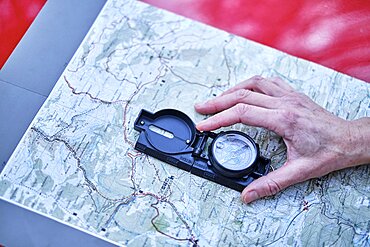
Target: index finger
{"points": [[241, 113]]}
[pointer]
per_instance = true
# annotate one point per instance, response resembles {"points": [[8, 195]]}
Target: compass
{"points": [[229, 158]]}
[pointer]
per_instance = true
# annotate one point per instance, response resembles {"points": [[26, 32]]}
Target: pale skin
{"points": [[317, 141]]}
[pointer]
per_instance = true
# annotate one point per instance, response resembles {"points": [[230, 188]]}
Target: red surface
{"points": [[15, 18], [334, 33]]}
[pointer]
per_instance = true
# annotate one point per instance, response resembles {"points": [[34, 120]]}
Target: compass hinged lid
{"points": [[169, 131]]}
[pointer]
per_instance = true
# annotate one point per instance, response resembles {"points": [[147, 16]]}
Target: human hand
{"points": [[317, 141]]}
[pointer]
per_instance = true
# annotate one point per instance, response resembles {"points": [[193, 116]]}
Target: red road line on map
{"points": [[85, 93]]}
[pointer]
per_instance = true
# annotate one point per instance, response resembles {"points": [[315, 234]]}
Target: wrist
{"points": [[357, 147]]}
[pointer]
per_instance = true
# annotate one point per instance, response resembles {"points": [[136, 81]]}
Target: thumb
{"points": [[273, 182]]}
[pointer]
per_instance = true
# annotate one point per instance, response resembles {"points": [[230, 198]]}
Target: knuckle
{"points": [[257, 78], [243, 93], [288, 117], [276, 79], [294, 99], [272, 187], [241, 109]]}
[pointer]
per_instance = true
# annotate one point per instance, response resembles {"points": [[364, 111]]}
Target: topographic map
{"points": [[76, 163]]}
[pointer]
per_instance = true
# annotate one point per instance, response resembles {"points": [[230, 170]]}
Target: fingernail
{"points": [[250, 196], [199, 104]]}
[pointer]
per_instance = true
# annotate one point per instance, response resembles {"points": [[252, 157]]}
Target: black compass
{"points": [[232, 158]]}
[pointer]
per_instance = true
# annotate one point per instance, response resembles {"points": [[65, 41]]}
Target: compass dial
{"points": [[233, 153]]}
